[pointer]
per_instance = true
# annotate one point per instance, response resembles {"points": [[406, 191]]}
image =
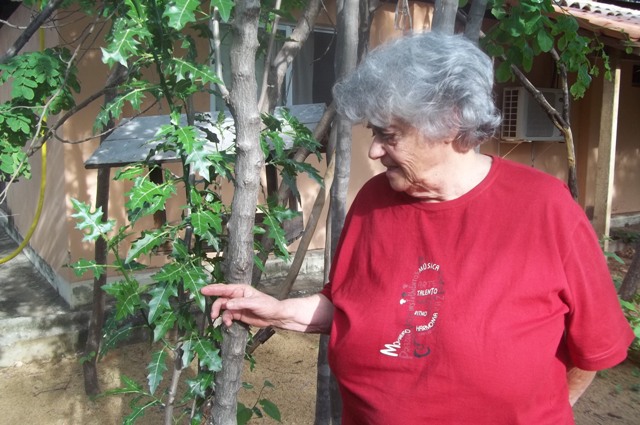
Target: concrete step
{"points": [[26, 339], [36, 324]]}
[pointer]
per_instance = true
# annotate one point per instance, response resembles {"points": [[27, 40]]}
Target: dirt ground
{"points": [[52, 392]]}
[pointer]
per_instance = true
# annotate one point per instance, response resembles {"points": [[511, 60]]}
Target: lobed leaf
{"points": [[147, 242], [181, 12], [208, 355], [194, 279], [163, 324], [127, 297], [156, 368], [159, 301], [90, 223], [200, 385], [130, 387], [83, 266], [224, 8]]}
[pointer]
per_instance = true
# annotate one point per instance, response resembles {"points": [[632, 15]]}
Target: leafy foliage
{"points": [[259, 409], [527, 28], [42, 84], [153, 39]]}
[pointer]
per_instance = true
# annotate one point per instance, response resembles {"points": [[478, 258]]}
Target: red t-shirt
{"points": [[466, 311]]}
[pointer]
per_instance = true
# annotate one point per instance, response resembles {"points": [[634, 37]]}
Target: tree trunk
{"points": [[94, 336], [94, 333], [474, 21], [323, 386], [249, 162], [559, 120], [346, 59], [631, 281], [444, 16]]}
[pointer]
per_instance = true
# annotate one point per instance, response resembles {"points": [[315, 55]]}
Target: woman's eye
{"points": [[383, 135], [388, 137]]}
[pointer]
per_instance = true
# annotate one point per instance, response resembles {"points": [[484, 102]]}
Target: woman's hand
{"points": [[243, 303]]}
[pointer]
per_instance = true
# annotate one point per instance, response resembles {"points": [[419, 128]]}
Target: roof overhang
{"points": [[617, 27]]}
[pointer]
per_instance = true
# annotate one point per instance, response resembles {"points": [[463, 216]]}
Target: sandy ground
{"points": [[52, 392]]}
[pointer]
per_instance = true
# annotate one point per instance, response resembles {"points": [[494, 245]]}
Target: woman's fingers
{"points": [[224, 290], [239, 302]]}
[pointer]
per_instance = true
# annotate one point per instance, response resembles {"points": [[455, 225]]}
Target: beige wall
{"points": [[626, 196]]}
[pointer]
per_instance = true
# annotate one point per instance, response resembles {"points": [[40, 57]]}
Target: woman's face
{"points": [[410, 158]]}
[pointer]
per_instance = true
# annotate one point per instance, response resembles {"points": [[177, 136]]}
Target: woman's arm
{"points": [[578, 381], [255, 308]]}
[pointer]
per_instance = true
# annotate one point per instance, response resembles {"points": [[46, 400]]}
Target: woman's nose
{"points": [[376, 151]]}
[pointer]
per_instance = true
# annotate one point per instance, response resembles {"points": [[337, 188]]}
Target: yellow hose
{"points": [[43, 184], [36, 219]]}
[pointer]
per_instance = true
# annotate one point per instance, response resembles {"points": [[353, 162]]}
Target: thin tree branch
{"points": [[86, 102], [215, 24], [288, 52], [267, 60], [31, 29]]}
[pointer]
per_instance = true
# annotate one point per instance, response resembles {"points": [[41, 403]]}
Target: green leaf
{"points": [[112, 337], [187, 353], [181, 12], [498, 11], [127, 297], [194, 279], [200, 385], [527, 58], [83, 266], [200, 162], [545, 41], [186, 137], [204, 221], [156, 368], [243, 414], [503, 72], [130, 172], [146, 197], [133, 94], [195, 72], [224, 8], [90, 223], [159, 301], [163, 324], [130, 387], [124, 42], [273, 221], [169, 273], [180, 251], [270, 409], [147, 242], [208, 355], [138, 412], [628, 305]]}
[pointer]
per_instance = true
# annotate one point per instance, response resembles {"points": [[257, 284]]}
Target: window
{"points": [[311, 75]]}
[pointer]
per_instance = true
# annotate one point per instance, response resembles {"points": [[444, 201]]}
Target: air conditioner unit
{"points": [[523, 119]]}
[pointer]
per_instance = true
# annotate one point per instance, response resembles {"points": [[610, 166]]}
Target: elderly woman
{"points": [[466, 289]]}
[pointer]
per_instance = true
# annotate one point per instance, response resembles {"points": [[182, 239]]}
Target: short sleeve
{"points": [[597, 333]]}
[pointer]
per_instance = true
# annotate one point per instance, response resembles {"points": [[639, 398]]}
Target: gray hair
{"points": [[434, 82]]}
